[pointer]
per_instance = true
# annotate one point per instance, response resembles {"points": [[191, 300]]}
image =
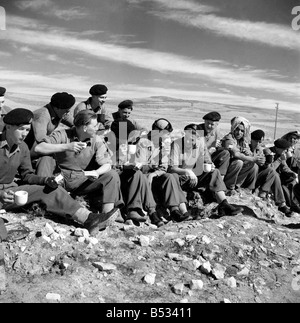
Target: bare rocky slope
{"points": [[253, 257]]}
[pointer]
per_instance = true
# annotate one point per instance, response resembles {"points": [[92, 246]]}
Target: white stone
{"points": [[93, 240], [196, 284], [81, 239], [144, 241], [190, 237], [47, 230], [60, 230], [206, 239], [218, 271], [54, 236], [231, 282], [80, 232], [180, 242], [185, 300], [178, 288], [103, 266], [46, 238], [196, 263], [244, 272], [205, 268], [226, 300], [150, 278], [53, 297]]}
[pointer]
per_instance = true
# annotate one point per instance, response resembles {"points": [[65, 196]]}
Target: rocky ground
{"points": [[249, 258]]}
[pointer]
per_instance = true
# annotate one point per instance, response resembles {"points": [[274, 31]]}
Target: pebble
{"points": [[149, 278], [53, 297]]}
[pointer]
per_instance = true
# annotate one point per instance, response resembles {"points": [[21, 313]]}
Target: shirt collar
{"points": [[51, 112], [4, 144]]}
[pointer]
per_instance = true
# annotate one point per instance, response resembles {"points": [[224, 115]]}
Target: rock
{"points": [[218, 271], [205, 268], [180, 242], [102, 266], [46, 238], [231, 282], [149, 278], [226, 301], [144, 241], [178, 288], [2, 278], [54, 236], [196, 284], [190, 237], [244, 272], [53, 297], [206, 240], [47, 230], [92, 240], [80, 232], [81, 239], [185, 300]]}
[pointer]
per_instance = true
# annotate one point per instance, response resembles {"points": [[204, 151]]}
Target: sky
{"points": [[235, 52]]}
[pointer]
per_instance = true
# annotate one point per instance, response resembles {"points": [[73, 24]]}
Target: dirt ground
{"points": [[253, 257]]}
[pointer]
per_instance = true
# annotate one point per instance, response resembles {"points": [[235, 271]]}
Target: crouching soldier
{"points": [[85, 162], [15, 159]]}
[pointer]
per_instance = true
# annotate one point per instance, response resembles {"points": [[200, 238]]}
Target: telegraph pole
{"points": [[277, 108]]}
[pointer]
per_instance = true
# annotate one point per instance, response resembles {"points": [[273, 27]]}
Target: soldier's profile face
{"points": [[2, 100]]}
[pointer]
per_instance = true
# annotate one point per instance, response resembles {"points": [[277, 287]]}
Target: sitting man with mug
{"points": [[15, 158], [190, 159]]}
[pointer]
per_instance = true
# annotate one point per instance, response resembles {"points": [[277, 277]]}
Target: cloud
{"points": [[49, 8], [195, 15], [216, 72]]}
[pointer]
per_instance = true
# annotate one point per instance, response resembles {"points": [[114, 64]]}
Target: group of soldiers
{"points": [[127, 172]]}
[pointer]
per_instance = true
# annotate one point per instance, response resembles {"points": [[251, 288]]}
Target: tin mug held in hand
{"points": [[207, 167], [21, 197], [269, 159]]}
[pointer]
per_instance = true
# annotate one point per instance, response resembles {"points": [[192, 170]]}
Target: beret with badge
{"points": [[98, 89], [213, 116], [2, 91], [62, 100], [257, 134], [17, 117], [125, 104], [282, 144]]}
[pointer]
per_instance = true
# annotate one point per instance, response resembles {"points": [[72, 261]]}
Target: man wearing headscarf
{"points": [[243, 168], [153, 153]]}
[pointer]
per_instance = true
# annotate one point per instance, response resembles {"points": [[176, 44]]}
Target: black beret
{"points": [[125, 104], [19, 116], [282, 144], [213, 116], [98, 89], [191, 126], [2, 91], [62, 100], [83, 117], [257, 134]]}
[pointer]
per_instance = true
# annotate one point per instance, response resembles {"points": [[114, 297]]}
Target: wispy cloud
{"points": [[148, 59], [195, 15], [47, 85], [49, 8]]}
